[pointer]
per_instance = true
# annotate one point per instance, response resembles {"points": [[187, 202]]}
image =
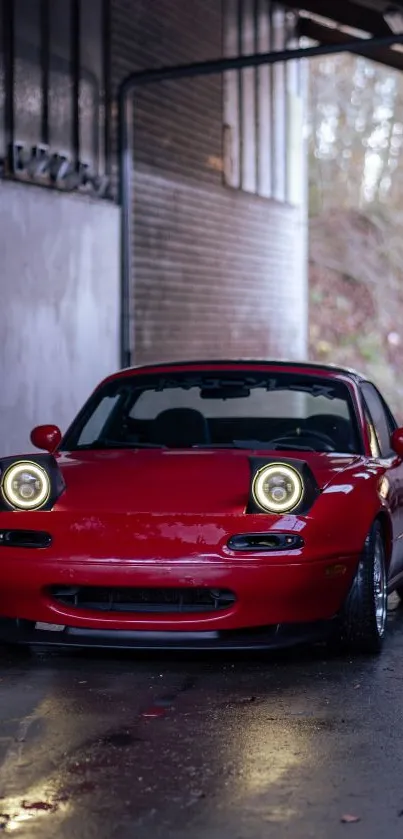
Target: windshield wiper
{"points": [[102, 445], [213, 446], [236, 444], [284, 448], [113, 444]]}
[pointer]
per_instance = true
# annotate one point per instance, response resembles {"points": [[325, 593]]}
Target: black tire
{"points": [[14, 651], [399, 591], [363, 618]]}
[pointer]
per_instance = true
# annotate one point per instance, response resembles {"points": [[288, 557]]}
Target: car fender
{"points": [[346, 508]]}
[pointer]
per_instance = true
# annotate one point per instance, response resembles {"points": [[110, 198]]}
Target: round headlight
{"points": [[277, 488], [25, 485]]}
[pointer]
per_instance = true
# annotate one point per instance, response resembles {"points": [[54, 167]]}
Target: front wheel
{"points": [[363, 617], [399, 591]]}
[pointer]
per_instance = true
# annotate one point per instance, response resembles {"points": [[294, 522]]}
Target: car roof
{"points": [[304, 366]]}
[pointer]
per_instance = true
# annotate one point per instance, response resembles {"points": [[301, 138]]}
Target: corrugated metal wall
{"points": [[217, 271]]}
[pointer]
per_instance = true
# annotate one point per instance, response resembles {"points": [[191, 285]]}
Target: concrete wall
{"points": [[59, 305]]}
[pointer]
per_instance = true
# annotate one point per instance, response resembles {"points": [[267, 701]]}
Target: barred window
{"points": [[28, 93], [91, 96], [2, 89], [54, 92], [61, 111], [262, 106]]}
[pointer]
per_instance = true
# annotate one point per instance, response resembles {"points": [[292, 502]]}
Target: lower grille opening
{"points": [[105, 599]]}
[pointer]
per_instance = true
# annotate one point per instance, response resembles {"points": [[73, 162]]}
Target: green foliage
{"points": [[355, 134], [356, 211]]}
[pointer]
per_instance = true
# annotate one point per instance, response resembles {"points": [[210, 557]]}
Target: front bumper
{"points": [[271, 589], [261, 638], [269, 592]]}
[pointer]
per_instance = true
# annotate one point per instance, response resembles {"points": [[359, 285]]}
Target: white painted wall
{"points": [[59, 306]]}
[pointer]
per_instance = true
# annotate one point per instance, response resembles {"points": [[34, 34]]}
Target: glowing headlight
{"points": [[25, 485], [277, 488]]}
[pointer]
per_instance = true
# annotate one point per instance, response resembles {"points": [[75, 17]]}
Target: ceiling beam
{"points": [[326, 35], [344, 13]]}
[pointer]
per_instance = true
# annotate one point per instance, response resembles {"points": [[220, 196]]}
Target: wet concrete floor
{"points": [[130, 746]]}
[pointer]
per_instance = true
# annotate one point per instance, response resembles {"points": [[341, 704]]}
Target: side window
{"points": [[373, 439], [378, 419]]}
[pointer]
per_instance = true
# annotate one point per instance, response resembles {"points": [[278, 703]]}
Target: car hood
{"points": [[176, 481]]}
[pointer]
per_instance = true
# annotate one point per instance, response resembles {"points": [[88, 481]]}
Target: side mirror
{"points": [[46, 437], [397, 441]]}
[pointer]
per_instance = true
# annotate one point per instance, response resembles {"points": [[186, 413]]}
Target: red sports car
{"points": [[207, 505]]}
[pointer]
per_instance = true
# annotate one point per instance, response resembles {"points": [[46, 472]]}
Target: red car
{"points": [[207, 505]]}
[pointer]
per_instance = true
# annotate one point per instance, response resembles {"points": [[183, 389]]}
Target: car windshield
{"points": [[263, 410]]}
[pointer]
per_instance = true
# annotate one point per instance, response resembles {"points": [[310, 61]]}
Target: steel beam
{"points": [[309, 28], [345, 13]]}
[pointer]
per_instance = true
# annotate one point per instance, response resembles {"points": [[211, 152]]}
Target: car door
{"points": [[381, 425]]}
